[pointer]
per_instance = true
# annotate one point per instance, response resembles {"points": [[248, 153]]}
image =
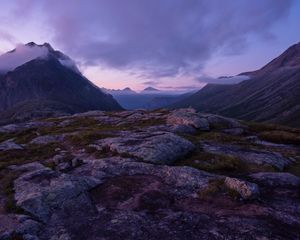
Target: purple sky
{"points": [[169, 44]]}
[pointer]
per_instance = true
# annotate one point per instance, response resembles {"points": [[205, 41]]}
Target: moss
{"points": [[7, 188], [87, 137], [50, 164], [217, 187], [214, 187], [213, 162], [31, 153], [282, 137], [261, 127], [15, 236], [219, 137], [21, 137], [276, 133], [222, 164], [254, 168], [5, 136], [160, 110]]}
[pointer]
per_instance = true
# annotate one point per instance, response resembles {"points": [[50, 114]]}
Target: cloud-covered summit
{"points": [[20, 55], [24, 53]]}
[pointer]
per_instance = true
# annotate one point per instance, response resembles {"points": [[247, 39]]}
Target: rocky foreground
{"points": [[149, 175]]}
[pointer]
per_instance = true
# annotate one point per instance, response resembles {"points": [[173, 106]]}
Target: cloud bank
{"points": [[223, 80], [157, 38]]}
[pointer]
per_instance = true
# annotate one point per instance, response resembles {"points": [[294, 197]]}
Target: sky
{"points": [[168, 44]]}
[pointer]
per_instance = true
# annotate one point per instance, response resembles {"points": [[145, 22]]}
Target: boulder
{"points": [[245, 189], [42, 192], [183, 180], [219, 122], [156, 147], [183, 129], [188, 117]]}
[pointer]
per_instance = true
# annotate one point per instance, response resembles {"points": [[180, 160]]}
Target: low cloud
{"points": [[223, 80], [20, 55], [190, 88]]}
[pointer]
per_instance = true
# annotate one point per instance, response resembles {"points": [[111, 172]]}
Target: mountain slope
{"points": [[271, 95], [52, 78]]}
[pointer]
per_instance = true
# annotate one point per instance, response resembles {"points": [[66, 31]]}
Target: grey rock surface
{"points": [[10, 145], [188, 117], [146, 175], [249, 155], [155, 147]]}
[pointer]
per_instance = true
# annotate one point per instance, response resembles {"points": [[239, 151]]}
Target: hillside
{"points": [[271, 95]]}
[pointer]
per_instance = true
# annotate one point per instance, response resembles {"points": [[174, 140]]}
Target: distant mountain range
{"points": [[150, 89], [37, 81], [149, 98], [272, 94]]}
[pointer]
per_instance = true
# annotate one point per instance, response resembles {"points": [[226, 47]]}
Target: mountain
{"points": [[129, 90], [272, 94], [162, 101], [36, 77], [150, 89], [126, 90], [130, 99], [149, 98]]}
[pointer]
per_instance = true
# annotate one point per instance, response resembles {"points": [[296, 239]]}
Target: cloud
{"points": [[6, 37], [157, 38], [20, 55], [151, 83], [223, 80]]}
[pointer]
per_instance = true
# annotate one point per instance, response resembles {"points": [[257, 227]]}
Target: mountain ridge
{"points": [[270, 95]]}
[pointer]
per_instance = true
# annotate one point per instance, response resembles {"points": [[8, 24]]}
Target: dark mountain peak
{"points": [[150, 89], [31, 44], [47, 45], [127, 89], [39, 77]]}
